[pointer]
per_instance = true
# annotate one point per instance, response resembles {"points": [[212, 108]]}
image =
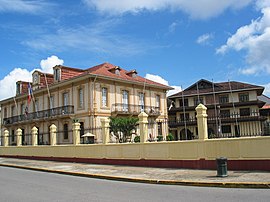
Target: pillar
{"points": [[76, 127], [202, 121], [53, 130], [143, 125], [19, 137], [5, 138], [34, 133], [105, 124]]}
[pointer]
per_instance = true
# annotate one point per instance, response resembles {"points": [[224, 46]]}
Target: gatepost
{"points": [[202, 121], [34, 136], [19, 137], [5, 139], [143, 125], [53, 130], [105, 124], [76, 127]]}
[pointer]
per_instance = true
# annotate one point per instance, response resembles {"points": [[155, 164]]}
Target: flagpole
{"points": [[234, 113], [184, 111], [49, 94], [215, 104]]}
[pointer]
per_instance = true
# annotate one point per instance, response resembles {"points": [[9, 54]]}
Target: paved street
{"points": [[238, 179], [25, 185]]}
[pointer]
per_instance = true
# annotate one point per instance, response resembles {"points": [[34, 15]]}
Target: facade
{"points": [[86, 96], [233, 110]]}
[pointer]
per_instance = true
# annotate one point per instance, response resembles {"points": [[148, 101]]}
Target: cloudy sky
{"points": [[176, 42]]}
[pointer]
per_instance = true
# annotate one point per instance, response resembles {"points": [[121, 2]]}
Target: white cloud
{"points": [[204, 39], [254, 40], [176, 89], [200, 9], [266, 89], [96, 38], [173, 26], [159, 79], [23, 6], [46, 65], [8, 83]]}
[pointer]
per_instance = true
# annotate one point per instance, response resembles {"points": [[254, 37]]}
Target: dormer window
{"points": [[18, 88], [132, 73], [57, 74], [35, 79], [115, 70]]}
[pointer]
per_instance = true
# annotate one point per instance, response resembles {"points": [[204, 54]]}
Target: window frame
{"points": [[104, 97]]}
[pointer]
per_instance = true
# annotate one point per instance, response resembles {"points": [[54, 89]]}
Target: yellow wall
{"points": [[234, 149]]}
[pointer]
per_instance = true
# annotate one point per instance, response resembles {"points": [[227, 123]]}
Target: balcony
{"points": [[134, 110], [223, 118], [49, 113]]}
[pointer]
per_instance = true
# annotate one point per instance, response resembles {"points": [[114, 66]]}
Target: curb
{"points": [[258, 185]]}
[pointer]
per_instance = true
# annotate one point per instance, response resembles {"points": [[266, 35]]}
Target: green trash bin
{"points": [[222, 167]]}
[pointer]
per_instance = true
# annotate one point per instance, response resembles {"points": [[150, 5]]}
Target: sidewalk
{"points": [[235, 179]]}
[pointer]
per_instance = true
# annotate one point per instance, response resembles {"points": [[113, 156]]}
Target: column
{"points": [[34, 133], [19, 137], [76, 127], [143, 125], [202, 122], [5, 138], [53, 130], [105, 124]]}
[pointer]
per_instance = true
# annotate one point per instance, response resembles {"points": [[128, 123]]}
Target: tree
{"points": [[123, 125]]}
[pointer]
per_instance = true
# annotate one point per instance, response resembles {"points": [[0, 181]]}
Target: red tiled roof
{"points": [[104, 70]]}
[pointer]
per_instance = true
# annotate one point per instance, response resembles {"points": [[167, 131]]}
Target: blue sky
{"points": [[176, 42]]}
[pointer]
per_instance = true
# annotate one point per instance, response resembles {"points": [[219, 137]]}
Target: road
{"points": [[26, 185]]}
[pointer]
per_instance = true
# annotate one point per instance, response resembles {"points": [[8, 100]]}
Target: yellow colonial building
{"points": [[86, 96]]}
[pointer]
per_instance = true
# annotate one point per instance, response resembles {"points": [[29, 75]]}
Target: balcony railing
{"points": [[121, 109], [58, 111], [223, 118]]}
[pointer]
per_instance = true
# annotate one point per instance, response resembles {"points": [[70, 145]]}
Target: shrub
{"points": [[169, 137], [159, 138], [137, 139]]}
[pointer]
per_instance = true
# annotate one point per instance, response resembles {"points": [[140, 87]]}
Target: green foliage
{"points": [[159, 138], [137, 139], [170, 137], [124, 125]]}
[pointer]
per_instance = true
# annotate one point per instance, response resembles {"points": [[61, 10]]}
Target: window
{"points": [[225, 113], [104, 95], [18, 88], [198, 100], [65, 99], [185, 102], [36, 103], [57, 74], [184, 117], [158, 101], [125, 100], [243, 97], [223, 99], [12, 136], [13, 112], [81, 98], [226, 129], [51, 102], [65, 131], [5, 112], [141, 101], [245, 112], [22, 109]]}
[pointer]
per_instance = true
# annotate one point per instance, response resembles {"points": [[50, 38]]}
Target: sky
{"points": [[174, 42]]}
